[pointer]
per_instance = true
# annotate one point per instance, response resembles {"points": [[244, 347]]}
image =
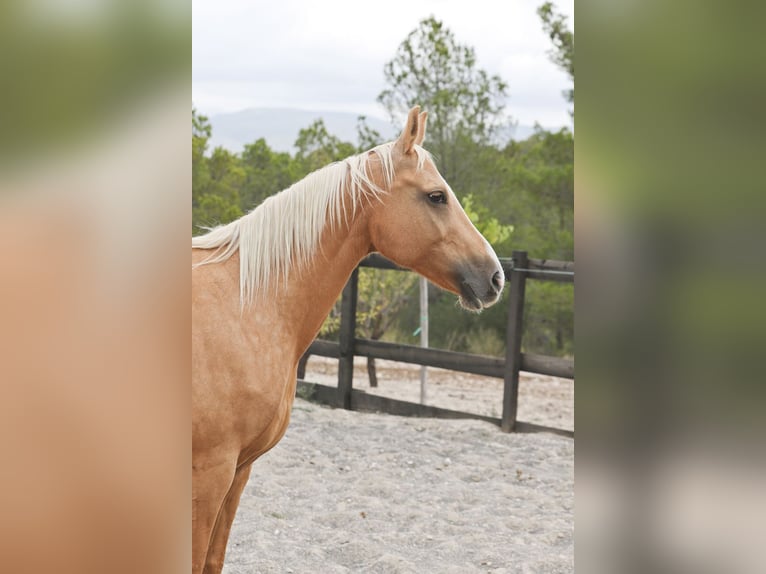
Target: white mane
{"points": [[283, 232]]}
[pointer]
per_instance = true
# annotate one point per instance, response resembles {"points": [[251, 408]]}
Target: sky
{"points": [[329, 54]]}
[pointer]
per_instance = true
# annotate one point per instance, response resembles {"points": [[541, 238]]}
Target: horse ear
{"points": [[410, 132], [421, 128]]}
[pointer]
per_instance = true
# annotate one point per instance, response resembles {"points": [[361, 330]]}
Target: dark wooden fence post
{"points": [[347, 335], [302, 365], [518, 281]]}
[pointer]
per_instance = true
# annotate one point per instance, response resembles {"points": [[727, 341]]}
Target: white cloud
{"points": [[330, 54]]}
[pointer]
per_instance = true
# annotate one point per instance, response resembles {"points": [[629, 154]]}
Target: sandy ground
{"points": [[358, 492]]}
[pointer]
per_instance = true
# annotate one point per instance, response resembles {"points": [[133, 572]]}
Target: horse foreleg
{"points": [[210, 485], [217, 549]]}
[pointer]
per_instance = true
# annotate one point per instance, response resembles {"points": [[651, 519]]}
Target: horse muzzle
{"points": [[481, 288]]}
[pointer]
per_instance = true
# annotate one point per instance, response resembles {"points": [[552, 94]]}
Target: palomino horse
{"points": [[262, 285]]}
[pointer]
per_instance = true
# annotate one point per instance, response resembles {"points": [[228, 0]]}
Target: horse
{"points": [[263, 284]]}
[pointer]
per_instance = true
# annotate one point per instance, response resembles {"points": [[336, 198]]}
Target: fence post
{"points": [[518, 281], [302, 365], [347, 335]]}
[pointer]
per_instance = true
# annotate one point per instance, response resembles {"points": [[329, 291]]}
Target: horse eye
{"points": [[437, 197]]}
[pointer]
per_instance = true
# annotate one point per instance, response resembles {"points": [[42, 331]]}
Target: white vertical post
{"points": [[423, 334]]}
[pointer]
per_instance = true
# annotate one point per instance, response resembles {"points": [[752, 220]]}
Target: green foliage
{"points": [[331, 325], [266, 173], [465, 104], [201, 128], [540, 193], [317, 147], [454, 329], [432, 69], [213, 210], [201, 131], [382, 294], [562, 54], [216, 180], [492, 230], [549, 318]]}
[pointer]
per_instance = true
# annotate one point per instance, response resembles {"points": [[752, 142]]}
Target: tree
{"points": [[317, 148], [201, 131], [266, 172], [431, 69], [216, 180], [555, 25], [541, 172], [218, 201]]}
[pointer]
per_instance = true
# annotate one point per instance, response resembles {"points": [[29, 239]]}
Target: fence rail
{"points": [[454, 361], [517, 270]]}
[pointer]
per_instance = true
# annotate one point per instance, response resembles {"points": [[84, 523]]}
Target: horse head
{"points": [[419, 224]]}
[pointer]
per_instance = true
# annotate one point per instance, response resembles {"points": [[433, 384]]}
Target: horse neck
{"points": [[312, 291]]}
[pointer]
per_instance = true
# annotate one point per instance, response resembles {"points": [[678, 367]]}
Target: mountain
{"points": [[280, 127]]}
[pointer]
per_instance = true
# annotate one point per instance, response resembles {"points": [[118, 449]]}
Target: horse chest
{"points": [[263, 441]]}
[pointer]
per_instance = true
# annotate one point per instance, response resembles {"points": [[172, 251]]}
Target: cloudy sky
{"points": [[329, 54]]}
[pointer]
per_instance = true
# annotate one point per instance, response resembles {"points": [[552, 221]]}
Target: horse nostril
{"points": [[497, 280]]}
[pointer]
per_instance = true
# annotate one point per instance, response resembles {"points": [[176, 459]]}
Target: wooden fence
{"points": [[517, 269]]}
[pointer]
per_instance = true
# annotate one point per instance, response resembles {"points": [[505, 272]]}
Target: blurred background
{"points": [[94, 290], [670, 321]]}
